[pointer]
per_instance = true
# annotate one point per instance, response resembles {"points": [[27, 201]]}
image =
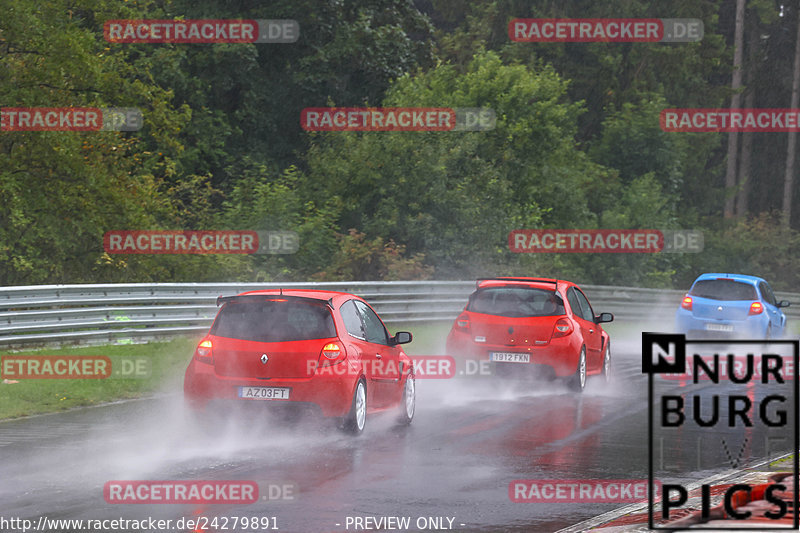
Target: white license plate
{"points": [[264, 393], [719, 327], [510, 357]]}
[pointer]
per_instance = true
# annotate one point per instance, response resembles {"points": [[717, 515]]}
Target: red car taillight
{"points": [[462, 322], [686, 303], [563, 328], [756, 308], [203, 352], [332, 354]]}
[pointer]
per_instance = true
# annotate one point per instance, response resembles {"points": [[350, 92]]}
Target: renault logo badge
{"points": [[264, 358]]}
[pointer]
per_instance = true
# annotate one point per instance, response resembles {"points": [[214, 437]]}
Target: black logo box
{"points": [[676, 344]]}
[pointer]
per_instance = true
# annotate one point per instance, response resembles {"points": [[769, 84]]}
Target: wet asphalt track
{"points": [[470, 438]]}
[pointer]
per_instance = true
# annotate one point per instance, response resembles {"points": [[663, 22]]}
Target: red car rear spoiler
{"points": [[262, 297], [532, 280]]}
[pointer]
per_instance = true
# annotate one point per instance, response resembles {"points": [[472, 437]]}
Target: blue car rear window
{"points": [[516, 302], [723, 289]]}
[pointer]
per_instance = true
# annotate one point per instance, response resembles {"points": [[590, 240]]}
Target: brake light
{"points": [[686, 303], [756, 308], [563, 328], [332, 354], [203, 352], [462, 322]]}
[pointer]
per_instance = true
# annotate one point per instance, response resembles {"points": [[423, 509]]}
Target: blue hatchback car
{"points": [[731, 305]]}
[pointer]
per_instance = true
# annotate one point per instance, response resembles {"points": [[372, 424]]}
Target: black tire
{"points": [[407, 409], [607, 363], [355, 421], [578, 380]]}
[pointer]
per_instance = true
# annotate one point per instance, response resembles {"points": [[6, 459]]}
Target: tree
{"points": [[62, 190], [246, 99], [791, 155], [454, 196], [733, 137]]}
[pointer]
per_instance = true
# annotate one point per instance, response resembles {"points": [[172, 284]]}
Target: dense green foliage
{"points": [[577, 142]]}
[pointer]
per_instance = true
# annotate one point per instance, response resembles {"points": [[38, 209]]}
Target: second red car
{"points": [[522, 324]]}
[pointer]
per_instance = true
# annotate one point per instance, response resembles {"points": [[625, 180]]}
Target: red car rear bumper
{"points": [[560, 354], [333, 394]]}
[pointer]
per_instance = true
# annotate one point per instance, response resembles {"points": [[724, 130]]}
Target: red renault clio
{"points": [[327, 350], [534, 326]]}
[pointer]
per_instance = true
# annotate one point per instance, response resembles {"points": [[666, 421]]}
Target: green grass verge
{"points": [[165, 361], [786, 462], [428, 337]]}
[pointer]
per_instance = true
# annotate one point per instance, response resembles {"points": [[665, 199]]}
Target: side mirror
{"points": [[603, 317], [784, 303], [402, 337]]}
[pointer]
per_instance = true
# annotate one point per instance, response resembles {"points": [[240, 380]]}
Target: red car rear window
{"points": [[274, 321], [516, 302]]}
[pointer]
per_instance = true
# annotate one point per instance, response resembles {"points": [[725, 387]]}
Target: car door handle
{"points": [[591, 331], [379, 356]]}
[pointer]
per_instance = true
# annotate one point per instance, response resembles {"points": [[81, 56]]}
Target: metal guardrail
{"points": [[97, 314]]}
